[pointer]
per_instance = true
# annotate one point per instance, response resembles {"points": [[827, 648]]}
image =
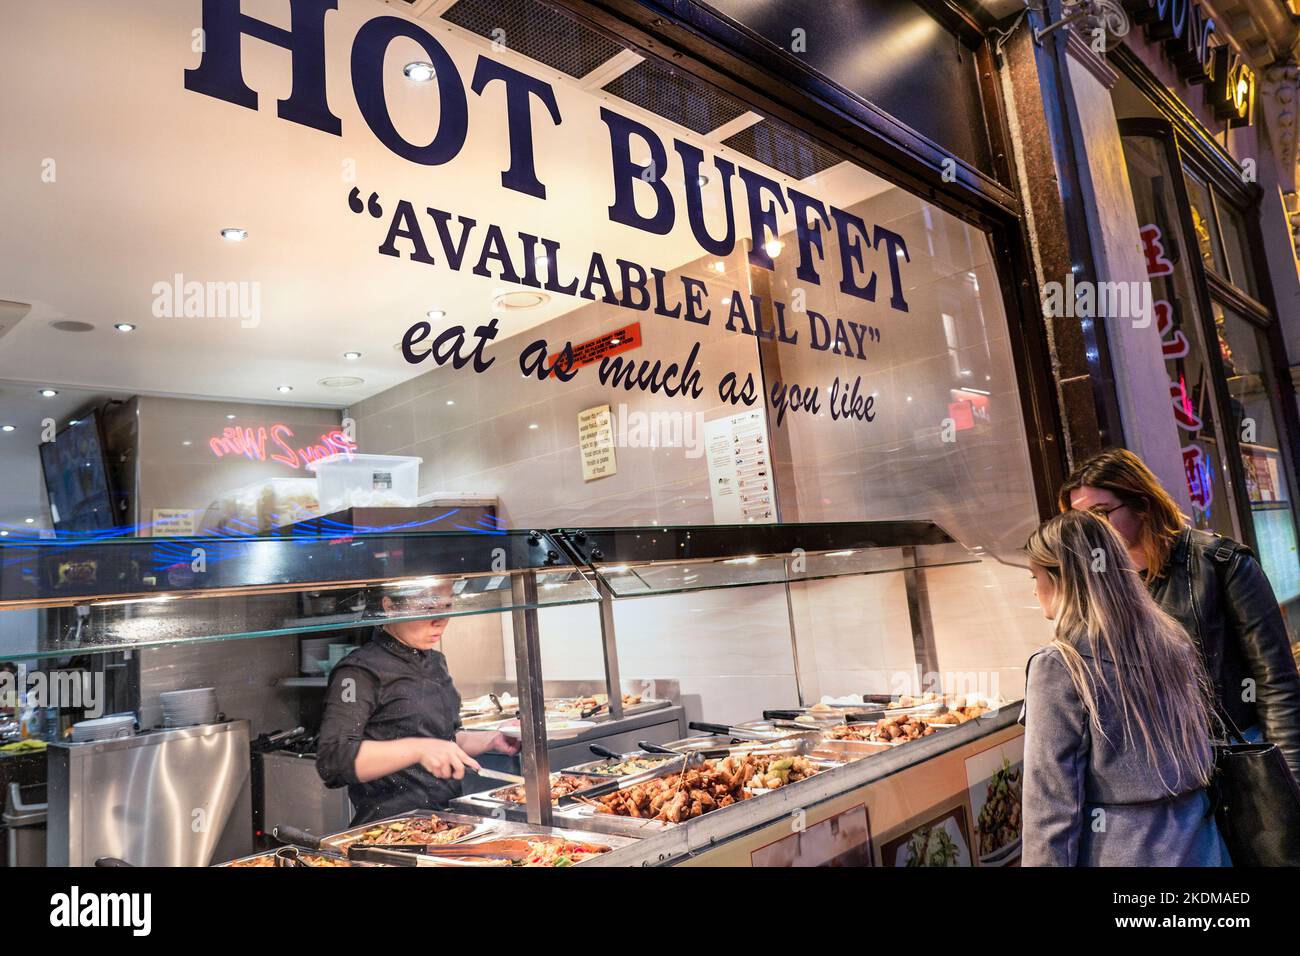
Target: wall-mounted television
{"points": [[76, 477]]}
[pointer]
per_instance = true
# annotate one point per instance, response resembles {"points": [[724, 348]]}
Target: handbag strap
{"points": [[1219, 559]]}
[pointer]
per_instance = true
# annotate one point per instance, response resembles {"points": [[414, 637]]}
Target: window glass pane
{"points": [[1169, 265], [1207, 233], [1241, 269], [1261, 460]]}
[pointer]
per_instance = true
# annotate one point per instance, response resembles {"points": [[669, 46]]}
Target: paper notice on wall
{"points": [[740, 469], [173, 522], [596, 440]]}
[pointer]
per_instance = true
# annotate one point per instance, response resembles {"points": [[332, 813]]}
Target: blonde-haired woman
{"points": [[1118, 723]]}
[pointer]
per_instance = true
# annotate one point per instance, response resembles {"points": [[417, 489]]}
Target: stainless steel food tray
{"points": [[481, 828], [593, 768], [330, 854]]}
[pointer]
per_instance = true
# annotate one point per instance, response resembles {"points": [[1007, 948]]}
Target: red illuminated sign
{"points": [[252, 444]]}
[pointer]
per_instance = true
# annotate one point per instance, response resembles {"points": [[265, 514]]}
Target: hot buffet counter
{"points": [[926, 780]]}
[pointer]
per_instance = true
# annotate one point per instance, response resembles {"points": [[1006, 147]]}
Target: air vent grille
{"points": [[783, 149], [535, 31], [675, 96]]}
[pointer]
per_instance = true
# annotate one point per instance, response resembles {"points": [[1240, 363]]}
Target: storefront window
{"points": [[483, 272], [1241, 272], [1203, 225], [1168, 255], [1263, 466]]}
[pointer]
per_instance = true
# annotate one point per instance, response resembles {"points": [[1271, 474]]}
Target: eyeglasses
{"points": [[1102, 511]]}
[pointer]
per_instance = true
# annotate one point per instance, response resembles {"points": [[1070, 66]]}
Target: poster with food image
{"points": [[994, 779], [941, 842]]}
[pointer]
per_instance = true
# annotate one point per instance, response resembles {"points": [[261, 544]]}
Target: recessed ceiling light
{"points": [[615, 341], [4, 534], [341, 381], [30, 520], [6, 428], [533, 427], [433, 315], [48, 393], [726, 300], [124, 327], [232, 234], [419, 72], [187, 442], [230, 417], [451, 401], [773, 247], [74, 421], [521, 300], [702, 180], [284, 388], [352, 356], [719, 266]]}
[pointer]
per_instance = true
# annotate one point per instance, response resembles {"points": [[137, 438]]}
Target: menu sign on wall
{"points": [[596, 439], [740, 469]]}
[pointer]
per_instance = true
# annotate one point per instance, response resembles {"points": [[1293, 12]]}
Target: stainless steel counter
{"points": [[164, 798]]}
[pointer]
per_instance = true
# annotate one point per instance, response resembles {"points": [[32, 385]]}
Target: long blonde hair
{"points": [[1158, 684]]}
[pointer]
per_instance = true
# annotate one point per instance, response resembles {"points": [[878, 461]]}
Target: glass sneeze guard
{"points": [[635, 562], [126, 593]]}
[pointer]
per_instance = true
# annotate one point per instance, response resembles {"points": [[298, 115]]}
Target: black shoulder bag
{"points": [[1256, 800]]}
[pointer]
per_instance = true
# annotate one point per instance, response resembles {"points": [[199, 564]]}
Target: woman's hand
{"points": [[481, 741], [444, 759], [503, 744]]}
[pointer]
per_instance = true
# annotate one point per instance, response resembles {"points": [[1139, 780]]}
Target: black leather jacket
{"points": [[1217, 590]]}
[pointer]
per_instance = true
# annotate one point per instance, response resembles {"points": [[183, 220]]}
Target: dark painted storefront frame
{"points": [[724, 54]]}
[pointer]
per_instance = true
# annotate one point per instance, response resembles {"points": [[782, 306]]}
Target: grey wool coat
{"points": [[1095, 802]]}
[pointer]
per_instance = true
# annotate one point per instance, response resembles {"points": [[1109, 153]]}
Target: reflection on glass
{"points": [[1240, 269], [1204, 226], [1261, 459], [1179, 325]]}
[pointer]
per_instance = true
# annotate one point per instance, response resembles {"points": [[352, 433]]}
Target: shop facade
{"points": [[729, 280], [1183, 179]]}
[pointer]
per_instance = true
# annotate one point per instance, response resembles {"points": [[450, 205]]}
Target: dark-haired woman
{"points": [[1211, 585], [391, 731]]}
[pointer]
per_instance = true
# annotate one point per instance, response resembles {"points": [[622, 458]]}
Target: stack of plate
{"points": [[103, 728], [186, 708]]}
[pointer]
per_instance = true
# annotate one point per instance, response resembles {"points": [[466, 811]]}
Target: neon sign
{"points": [[252, 444]]}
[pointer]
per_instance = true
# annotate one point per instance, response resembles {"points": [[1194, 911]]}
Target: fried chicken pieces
{"points": [[684, 796]]}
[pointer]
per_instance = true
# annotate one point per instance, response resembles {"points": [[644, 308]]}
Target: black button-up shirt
{"points": [[386, 690]]}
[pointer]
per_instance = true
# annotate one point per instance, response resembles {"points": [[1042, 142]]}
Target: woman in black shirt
{"points": [[391, 731]]}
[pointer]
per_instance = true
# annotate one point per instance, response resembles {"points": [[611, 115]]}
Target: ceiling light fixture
{"points": [[433, 315], [124, 327], [234, 234], [773, 247], [719, 267], [284, 388], [30, 520], [6, 428], [702, 180], [230, 418], [48, 393], [419, 71], [352, 356], [74, 421]]}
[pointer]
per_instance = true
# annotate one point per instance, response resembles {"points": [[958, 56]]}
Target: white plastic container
{"points": [[366, 481]]}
